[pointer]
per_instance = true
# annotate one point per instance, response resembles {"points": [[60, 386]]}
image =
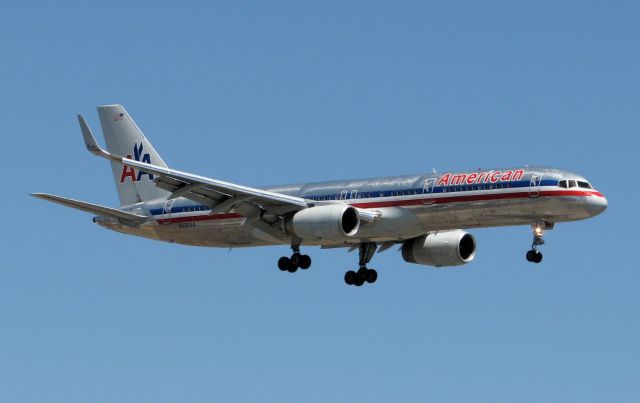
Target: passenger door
{"points": [[166, 210], [427, 191], [534, 185]]}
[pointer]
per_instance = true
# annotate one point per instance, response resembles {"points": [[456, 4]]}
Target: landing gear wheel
{"points": [[534, 256], [286, 264], [371, 276], [283, 263], [349, 277], [295, 259], [304, 262], [531, 255], [538, 257], [358, 280], [363, 275]]}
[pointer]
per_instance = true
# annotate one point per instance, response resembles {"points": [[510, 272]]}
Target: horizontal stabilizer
{"points": [[91, 208]]}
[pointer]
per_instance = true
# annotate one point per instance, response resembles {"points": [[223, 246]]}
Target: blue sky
{"points": [[263, 93]]}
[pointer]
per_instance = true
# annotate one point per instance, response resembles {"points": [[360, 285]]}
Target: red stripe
{"points": [[413, 202], [471, 198]]}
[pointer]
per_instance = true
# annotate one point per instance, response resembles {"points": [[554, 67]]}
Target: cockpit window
{"points": [[562, 184], [584, 185], [572, 183]]}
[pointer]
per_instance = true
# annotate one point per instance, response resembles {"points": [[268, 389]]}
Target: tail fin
{"points": [[124, 138]]}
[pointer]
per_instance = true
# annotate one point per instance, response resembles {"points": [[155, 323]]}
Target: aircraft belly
{"points": [[394, 223], [198, 234], [499, 213]]}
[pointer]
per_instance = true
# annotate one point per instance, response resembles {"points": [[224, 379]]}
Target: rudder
{"points": [[124, 138]]}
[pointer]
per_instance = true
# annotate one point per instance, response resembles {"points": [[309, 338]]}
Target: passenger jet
{"points": [[426, 214]]}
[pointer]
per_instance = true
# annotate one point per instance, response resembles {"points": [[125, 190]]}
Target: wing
{"points": [[220, 195]]}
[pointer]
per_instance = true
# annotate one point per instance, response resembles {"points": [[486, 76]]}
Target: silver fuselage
{"points": [[407, 206]]}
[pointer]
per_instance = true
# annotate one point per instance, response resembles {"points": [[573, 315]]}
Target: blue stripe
{"points": [[438, 189], [387, 193], [180, 209]]}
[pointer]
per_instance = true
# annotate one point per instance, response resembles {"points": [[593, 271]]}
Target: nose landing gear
{"points": [[534, 255], [364, 274]]}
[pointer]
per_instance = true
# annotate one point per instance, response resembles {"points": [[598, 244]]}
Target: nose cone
{"points": [[596, 205]]}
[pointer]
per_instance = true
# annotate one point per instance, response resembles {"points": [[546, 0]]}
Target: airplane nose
{"points": [[596, 205]]}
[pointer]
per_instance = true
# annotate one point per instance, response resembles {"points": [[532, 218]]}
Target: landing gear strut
{"points": [[295, 262], [364, 274], [534, 255]]}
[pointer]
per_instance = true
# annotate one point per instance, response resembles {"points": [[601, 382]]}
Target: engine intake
{"points": [[443, 248], [334, 222]]}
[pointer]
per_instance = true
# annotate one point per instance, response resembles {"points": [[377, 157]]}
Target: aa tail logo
{"points": [[129, 172]]}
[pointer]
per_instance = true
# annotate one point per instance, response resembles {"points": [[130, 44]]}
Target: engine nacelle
{"points": [[442, 248], [333, 222]]}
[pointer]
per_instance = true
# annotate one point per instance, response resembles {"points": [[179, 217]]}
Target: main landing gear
{"points": [[364, 274], [534, 255], [295, 262]]}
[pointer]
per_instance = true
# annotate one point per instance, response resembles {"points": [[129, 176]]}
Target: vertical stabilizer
{"points": [[124, 138]]}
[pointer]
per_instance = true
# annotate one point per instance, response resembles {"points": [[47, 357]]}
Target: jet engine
{"points": [[442, 248], [333, 222]]}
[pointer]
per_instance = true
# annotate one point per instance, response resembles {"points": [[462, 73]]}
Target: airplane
{"points": [[425, 214]]}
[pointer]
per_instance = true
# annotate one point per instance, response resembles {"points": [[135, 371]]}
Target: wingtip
{"points": [[89, 140]]}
